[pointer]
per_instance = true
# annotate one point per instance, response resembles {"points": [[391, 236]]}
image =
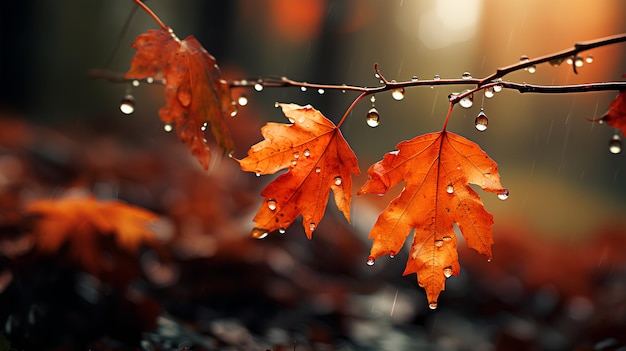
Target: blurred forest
{"points": [[557, 280]]}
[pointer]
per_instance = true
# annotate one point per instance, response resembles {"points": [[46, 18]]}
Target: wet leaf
{"points": [[437, 169], [194, 91], [318, 159]]}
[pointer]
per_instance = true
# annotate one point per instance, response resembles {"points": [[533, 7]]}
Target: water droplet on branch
{"points": [[414, 79], [489, 93], [578, 61], [481, 122], [467, 101], [373, 118], [466, 75], [398, 94], [258, 87], [320, 91], [242, 100], [615, 145], [303, 88], [127, 106], [168, 127], [589, 59]]}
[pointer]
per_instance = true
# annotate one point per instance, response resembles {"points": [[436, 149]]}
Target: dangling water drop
{"points": [[258, 87], [370, 261], [467, 101], [466, 75], [504, 194], [589, 59], [373, 99], [557, 62], [615, 145], [320, 91], [432, 305], [398, 94], [489, 93], [392, 254], [127, 106], [481, 122], [303, 88], [258, 174], [271, 204], [312, 226], [450, 189], [531, 69], [447, 272], [373, 118], [337, 181], [306, 153], [135, 83], [242, 100], [259, 233], [168, 127], [282, 230], [318, 170], [150, 80], [578, 61]]}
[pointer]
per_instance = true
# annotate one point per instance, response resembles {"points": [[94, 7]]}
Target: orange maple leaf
{"points": [[80, 223], [318, 158], [194, 91], [616, 115], [437, 168]]}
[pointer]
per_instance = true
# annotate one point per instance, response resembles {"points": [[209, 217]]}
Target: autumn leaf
{"points": [[616, 115], [194, 91], [437, 168], [318, 158], [80, 223]]}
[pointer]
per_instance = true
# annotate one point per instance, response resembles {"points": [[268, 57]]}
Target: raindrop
{"points": [[234, 113], [447, 238], [203, 127], [149, 80], [557, 62], [259, 233], [294, 163], [373, 99], [489, 93], [312, 226], [438, 243], [370, 261], [466, 75], [504, 194], [271, 204], [282, 230], [398, 94], [523, 59], [570, 61], [447, 272], [258, 87], [168, 127], [392, 254], [135, 83], [242, 100], [258, 174], [303, 88], [296, 155], [531, 69], [578, 61], [450, 189], [467, 101], [615, 145], [373, 118], [127, 106], [320, 91], [497, 88], [307, 153], [337, 181], [432, 305], [589, 59], [481, 121], [436, 77], [318, 170], [414, 79]]}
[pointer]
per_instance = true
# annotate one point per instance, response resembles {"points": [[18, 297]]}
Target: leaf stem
{"points": [[445, 123], [354, 103], [152, 14]]}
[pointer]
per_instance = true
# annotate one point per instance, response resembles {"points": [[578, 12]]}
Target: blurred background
{"points": [[567, 189]]}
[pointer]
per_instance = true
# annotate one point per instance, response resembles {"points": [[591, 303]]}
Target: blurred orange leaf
{"points": [[80, 223], [194, 91], [437, 168], [318, 158]]}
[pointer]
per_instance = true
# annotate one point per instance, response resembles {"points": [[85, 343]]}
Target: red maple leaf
{"points": [[194, 91], [318, 158], [616, 115], [437, 168]]}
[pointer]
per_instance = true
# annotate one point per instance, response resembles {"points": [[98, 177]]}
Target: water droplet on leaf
{"points": [[481, 122], [259, 233], [296, 155], [438, 243], [466, 75], [318, 170], [447, 272], [392, 254], [258, 174], [450, 189], [282, 230], [373, 118], [271, 204], [242, 100], [432, 305], [135, 83], [370, 261], [127, 106], [504, 194], [307, 153], [203, 127], [615, 145], [149, 80], [337, 181], [447, 238], [398, 94], [168, 127], [312, 226], [294, 163]]}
